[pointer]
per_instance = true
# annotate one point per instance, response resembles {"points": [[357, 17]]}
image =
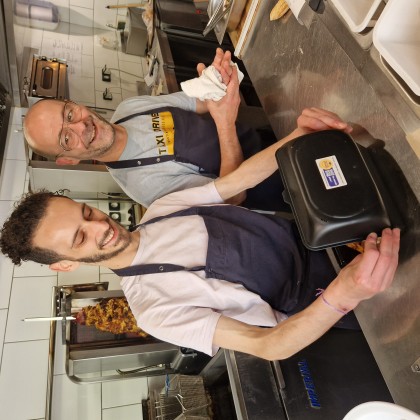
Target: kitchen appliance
{"points": [[224, 15], [48, 78], [134, 37], [97, 356], [335, 195]]}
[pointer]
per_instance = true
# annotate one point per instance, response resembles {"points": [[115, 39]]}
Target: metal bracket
{"points": [[415, 367]]}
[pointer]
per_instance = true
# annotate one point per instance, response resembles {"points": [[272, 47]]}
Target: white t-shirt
{"points": [[183, 308], [145, 184]]}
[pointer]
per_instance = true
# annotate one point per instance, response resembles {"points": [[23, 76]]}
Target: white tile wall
{"points": [[25, 291], [23, 379], [130, 412], [12, 180], [3, 319], [6, 273], [126, 392], [31, 297]]}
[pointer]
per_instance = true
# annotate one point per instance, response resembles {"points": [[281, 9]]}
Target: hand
{"points": [[221, 63], [225, 111], [369, 273], [316, 119]]}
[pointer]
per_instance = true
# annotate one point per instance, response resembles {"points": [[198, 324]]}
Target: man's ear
{"points": [[64, 265], [66, 161]]}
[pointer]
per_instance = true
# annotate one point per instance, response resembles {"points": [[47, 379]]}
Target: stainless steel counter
{"points": [[326, 66]]}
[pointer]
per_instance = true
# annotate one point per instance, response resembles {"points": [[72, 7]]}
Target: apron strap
{"points": [[138, 270], [132, 163]]}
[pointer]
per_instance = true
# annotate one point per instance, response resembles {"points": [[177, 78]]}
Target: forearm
{"points": [[281, 341], [252, 171], [201, 107]]}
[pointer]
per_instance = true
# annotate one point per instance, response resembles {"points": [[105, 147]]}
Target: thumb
{"points": [[200, 68]]}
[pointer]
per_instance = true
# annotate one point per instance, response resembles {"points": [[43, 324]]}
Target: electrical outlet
{"points": [[106, 74], [107, 95]]}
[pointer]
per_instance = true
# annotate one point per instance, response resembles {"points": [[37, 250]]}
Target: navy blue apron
{"points": [[260, 252], [197, 142]]}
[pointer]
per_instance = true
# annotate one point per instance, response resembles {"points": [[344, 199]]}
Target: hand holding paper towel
{"points": [[209, 85]]}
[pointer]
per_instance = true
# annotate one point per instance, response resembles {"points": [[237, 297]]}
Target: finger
{"points": [[385, 259], [200, 68], [233, 79], [327, 119], [218, 58], [388, 257]]}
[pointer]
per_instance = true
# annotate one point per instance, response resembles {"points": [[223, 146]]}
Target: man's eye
{"points": [[70, 116], [88, 213], [81, 239], [66, 140]]}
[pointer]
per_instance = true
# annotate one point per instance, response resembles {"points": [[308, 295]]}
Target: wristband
{"points": [[321, 293]]}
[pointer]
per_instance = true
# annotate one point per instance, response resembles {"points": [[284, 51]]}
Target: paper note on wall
{"points": [[70, 51]]}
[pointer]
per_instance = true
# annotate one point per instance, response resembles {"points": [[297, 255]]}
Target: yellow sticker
{"points": [[331, 172]]}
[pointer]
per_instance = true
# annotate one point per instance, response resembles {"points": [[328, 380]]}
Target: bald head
{"points": [[42, 125], [80, 134]]}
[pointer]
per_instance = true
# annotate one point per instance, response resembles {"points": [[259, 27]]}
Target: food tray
{"points": [[332, 193], [358, 14], [397, 38]]}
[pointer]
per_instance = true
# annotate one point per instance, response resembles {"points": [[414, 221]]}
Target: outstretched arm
{"points": [[224, 114], [364, 277], [260, 166]]}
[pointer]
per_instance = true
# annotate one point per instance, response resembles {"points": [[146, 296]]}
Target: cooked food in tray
{"points": [[111, 315]]}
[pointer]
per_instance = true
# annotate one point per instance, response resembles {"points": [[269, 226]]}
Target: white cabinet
{"points": [[83, 178]]}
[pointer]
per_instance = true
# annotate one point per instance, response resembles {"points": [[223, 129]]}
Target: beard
{"points": [[124, 241], [104, 143]]}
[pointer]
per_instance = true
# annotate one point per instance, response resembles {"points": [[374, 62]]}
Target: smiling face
{"points": [[84, 234], [94, 136]]}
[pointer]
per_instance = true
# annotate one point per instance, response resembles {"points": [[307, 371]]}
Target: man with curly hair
{"points": [[201, 274]]}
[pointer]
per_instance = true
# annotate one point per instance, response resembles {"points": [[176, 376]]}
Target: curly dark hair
{"points": [[18, 230]]}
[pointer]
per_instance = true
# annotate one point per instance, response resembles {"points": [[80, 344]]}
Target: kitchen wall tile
{"points": [[82, 3], [84, 35], [84, 274], [130, 91], [131, 71], [102, 103], [12, 179], [3, 319], [129, 412], [81, 16], [16, 115], [122, 56], [113, 279], [6, 272], [15, 144], [104, 270], [32, 269], [75, 402], [23, 379], [105, 56], [63, 9], [82, 89], [6, 207], [88, 68], [103, 15], [114, 83], [124, 392], [31, 297], [33, 37]]}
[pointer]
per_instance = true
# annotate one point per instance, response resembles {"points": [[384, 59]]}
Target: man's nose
{"points": [[98, 228]]}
